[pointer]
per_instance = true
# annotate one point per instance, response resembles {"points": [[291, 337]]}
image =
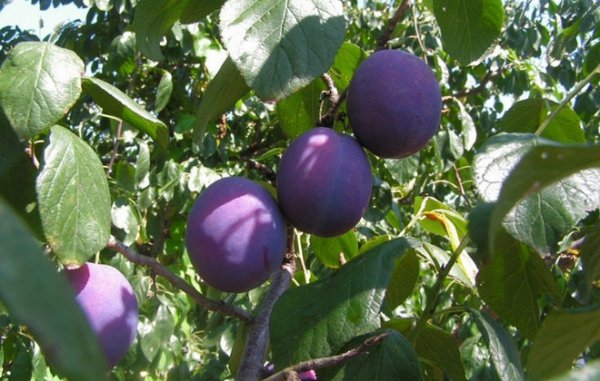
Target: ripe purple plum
{"points": [[236, 235], [309, 375], [324, 182], [394, 104], [109, 303]]}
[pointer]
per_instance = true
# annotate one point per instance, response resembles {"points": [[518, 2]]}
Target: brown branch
{"points": [[475, 90], [325, 362], [335, 101], [257, 339], [383, 40], [177, 282]]}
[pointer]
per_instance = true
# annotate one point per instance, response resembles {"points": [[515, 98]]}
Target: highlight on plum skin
{"points": [[324, 182], [108, 301], [394, 103], [236, 235]]}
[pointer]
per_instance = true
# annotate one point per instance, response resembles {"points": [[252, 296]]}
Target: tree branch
{"points": [[335, 101], [177, 282], [383, 40], [257, 339], [475, 90], [325, 362]]}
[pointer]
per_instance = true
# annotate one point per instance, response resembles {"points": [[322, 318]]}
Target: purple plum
{"points": [[324, 182], [236, 235], [109, 303], [394, 104]]}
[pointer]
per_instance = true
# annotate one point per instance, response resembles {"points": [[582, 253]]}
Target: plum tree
{"points": [[394, 104], [236, 235], [324, 182], [109, 303]]}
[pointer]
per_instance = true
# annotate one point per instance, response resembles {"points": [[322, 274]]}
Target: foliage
{"points": [[478, 255]]}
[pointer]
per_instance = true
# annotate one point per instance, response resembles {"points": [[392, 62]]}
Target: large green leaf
{"points": [[469, 27], [511, 167], [116, 103], [225, 89], [527, 116], [299, 112], [152, 20], [328, 250], [513, 281], [503, 348], [17, 177], [562, 337], [164, 91], [393, 359], [196, 10], [404, 279], [346, 61], [39, 82], [41, 299], [318, 319], [440, 349], [280, 46], [73, 197]]}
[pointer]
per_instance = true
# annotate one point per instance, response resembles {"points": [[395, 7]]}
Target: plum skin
{"points": [[236, 235], [324, 182], [108, 301], [394, 104]]}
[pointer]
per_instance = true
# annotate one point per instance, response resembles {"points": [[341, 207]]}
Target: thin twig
{"points": [[257, 338], [433, 295], [567, 99], [325, 362], [177, 282], [383, 40], [475, 90], [113, 154]]}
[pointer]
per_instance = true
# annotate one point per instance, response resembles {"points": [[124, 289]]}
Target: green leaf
{"points": [[590, 256], [345, 64], [221, 94], [463, 274], [511, 167], [503, 348], [196, 10], [280, 46], [469, 27], [440, 348], [299, 112], [527, 115], [159, 333], [328, 250], [513, 281], [152, 20], [393, 359], [45, 303], [74, 198], [590, 372], [17, 177], [142, 166], [469, 131], [403, 280], [163, 93], [562, 337], [116, 103], [39, 82], [319, 318]]}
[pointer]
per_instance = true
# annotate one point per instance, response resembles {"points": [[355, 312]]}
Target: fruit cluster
{"points": [[236, 232]]}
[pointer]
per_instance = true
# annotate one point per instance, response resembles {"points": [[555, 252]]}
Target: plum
{"points": [[236, 235], [324, 182], [309, 375], [108, 301], [394, 104]]}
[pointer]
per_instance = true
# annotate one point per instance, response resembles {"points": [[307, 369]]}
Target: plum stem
{"points": [[335, 101], [324, 362], [257, 338], [177, 282], [383, 40]]}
